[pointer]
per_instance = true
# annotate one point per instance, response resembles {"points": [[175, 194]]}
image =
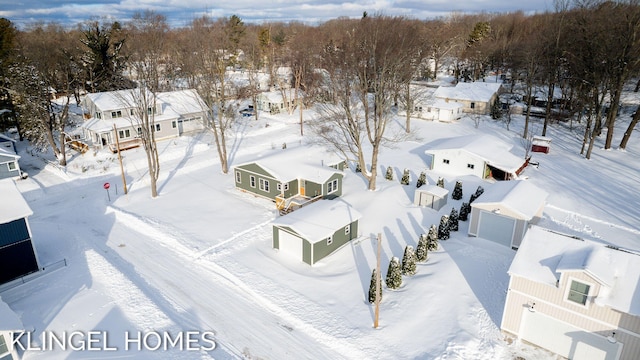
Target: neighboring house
{"points": [[316, 231], [291, 178], [8, 144], [481, 155], [10, 324], [273, 102], [576, 298], [505, 210], [431, 196], [176, 112], [476, 97], [9, 166], [435, 109], [17, 254]]}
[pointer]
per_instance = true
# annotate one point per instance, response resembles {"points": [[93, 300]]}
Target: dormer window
{"points": [[578, 292], [116, 114]]}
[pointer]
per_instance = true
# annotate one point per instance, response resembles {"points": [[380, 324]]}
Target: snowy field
{"points": [[199, 257]]}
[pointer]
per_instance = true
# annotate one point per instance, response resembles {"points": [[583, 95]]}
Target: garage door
{"points": [[566, 340], [290, 244], [496, 227]]}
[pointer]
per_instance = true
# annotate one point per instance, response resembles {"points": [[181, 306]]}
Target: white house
{"points": [[176, 112], [577, 298], [481, 155], [476, 97], [505, 210], [316, 231], [9, 325], [273, 101]]}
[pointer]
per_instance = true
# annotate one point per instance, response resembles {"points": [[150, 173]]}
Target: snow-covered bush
{"points": [[409, 261], [394, 274]]}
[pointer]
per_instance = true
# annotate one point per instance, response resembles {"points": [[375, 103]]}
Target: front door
{"points": [[301, 188]]}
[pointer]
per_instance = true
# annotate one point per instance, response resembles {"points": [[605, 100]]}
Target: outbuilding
{"points": [[316, 231], [9, 166], [431, 196], [8, 144], [505, 210], [17, 253], [541, 144]]}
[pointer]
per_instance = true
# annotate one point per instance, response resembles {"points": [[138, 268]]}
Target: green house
{"points": [[316, 231], [290, 177]]}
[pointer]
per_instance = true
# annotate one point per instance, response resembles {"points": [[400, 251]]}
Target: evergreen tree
{"points": [[358, 169], [443, 228], [453, 220], [432, 239], [465, 209], [372, 288], [496, 110], [475, 195], [409, 261], [457, 191], [422, 249], [440, 182], [394, 274], [422, 179], [405, 177], [389, 174]]}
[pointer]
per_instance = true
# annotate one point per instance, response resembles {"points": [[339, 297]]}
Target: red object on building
{"points": [[106, 185], [541, 144]]}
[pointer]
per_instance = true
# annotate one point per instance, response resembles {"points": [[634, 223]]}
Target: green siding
{"points": [[306, 252], [255, 168], [246, 172], [336, 193], [312, 189], [276, 239], [322, 250], [293, 189], [13, 232]]}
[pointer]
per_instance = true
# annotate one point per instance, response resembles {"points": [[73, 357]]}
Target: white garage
{"points": [[566, 340]]}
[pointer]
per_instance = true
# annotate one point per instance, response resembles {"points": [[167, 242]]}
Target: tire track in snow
{"points": [[170, 238], [576, 217]]}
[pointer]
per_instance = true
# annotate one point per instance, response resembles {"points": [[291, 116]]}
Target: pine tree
{"points": [[372, 288], [422, 179], [457, 191], [496, 110], [440, 182], [389, 174], [409, 261], [453, 220], [422, 250], [432, 239], [394, 274], [465, 209], [405, 177], [443, 228], [358, 169]]}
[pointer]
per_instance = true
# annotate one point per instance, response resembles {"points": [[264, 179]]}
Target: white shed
{"points": [[431, 196], [504, 211]]}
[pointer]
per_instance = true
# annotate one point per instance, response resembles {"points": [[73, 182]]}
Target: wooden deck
{"points": [[125, 145]]}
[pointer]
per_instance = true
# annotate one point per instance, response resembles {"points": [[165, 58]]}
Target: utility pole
{"points": [[124, 181], [377, 312]]}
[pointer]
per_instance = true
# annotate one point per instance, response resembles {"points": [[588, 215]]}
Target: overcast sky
{"points": [[181, 12]]}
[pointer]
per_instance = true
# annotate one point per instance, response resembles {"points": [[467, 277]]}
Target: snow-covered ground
{"points": [[199, 257]]}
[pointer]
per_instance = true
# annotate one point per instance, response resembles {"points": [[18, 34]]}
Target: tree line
{"points": [[355, 71]]}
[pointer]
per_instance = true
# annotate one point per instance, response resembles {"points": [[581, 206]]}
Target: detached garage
{"points": [[315, 231], [17, 254], [505, 210]]}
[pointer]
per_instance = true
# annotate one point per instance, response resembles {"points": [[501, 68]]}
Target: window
{"points": [[124, 134], [131, 112], [332, 186], [347, 229], [99, 115], [578, 292], [264, 185], [446, 161], [252, 181], [330, 240], [280, 186], [470, 166], [473, 105], [139, 131], [173, 124], [116, 114], [4, 350], [150, 111], [12, 166], [238, 177], [157, 127]]}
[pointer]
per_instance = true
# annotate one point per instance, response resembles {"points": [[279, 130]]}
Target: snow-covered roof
{"points": [[521, 196], [4, 137], [469, 91], [545, 254], [491, 149], [434, 190], [14, 206], [10, 154], [9, 321], [294, 163], [181, 102], [319, 220], [447, 105], [100, 125], [272, 96]]}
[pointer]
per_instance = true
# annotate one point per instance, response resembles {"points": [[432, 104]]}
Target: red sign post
{"points": [[106, 186]]}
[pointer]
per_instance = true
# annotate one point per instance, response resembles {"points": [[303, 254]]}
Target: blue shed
{"points": [[17, 253]]}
